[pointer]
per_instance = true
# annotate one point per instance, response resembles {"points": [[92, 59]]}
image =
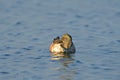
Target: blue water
{"points": [[27, 28]]}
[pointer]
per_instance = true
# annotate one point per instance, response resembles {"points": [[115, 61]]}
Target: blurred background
{"points": [[27, 28]]}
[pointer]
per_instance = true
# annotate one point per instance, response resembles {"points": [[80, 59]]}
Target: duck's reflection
{"points": [[58, 56], [67, 69]]}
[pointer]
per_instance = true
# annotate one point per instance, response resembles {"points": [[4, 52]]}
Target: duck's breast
{"points": [[56, 48]]}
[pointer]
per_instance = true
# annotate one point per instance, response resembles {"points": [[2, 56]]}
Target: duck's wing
{"points": [[71, 49]]}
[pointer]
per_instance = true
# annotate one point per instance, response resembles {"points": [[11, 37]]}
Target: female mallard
{"points": [[62, 45]]}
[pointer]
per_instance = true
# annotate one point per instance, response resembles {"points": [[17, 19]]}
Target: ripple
{"points": [[3, 72], [17, 52], [14, 34], [36, 77], [35, 39], [94, 66], [18, 23], [78, 16], [11, 40], [3, 58], [114, 51], [39, 50], [28, 48], [118, 41], [25, 72], [77, 61], [101, 45], [86, 25], [117, 14], [8, 47], [107, 69], [72, 22], [35, 57], [6, 55]]}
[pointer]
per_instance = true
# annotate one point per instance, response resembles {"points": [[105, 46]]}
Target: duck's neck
{"points": [[67, 44]]}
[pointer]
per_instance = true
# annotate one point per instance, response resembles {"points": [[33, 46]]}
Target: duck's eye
{"points": [[57, 38]]}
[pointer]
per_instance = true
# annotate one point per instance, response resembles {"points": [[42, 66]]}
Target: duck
{"points": [[62, 45]]}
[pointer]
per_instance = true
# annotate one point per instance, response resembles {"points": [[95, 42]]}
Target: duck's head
{"points": [[57, 40], [67, 40]]}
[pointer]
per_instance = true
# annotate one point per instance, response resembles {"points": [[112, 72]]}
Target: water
{"points": [[27, 28]]}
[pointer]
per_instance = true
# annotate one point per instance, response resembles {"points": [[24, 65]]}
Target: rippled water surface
{"points": [[27, 27]]}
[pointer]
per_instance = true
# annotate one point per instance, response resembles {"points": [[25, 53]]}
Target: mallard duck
{"points": [[62, 45]]}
